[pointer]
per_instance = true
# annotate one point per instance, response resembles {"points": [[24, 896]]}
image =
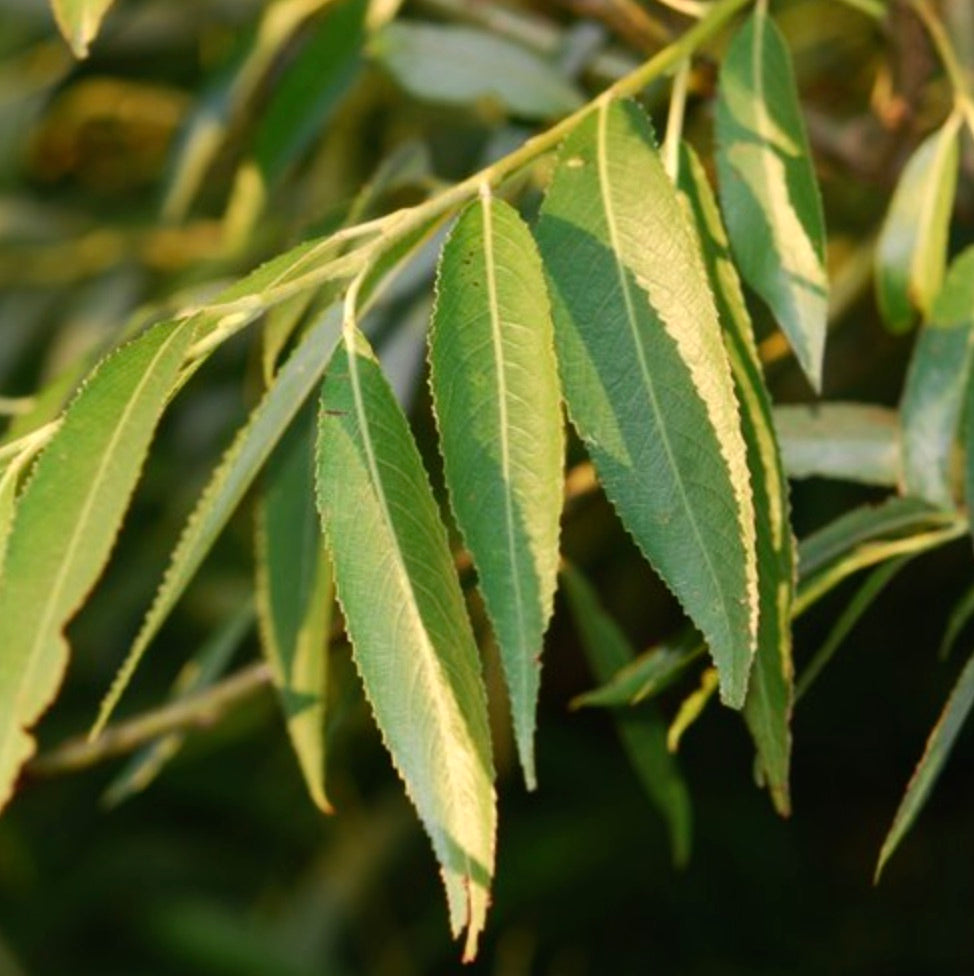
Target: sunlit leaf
{"points": [[66, 522], [938, 748], [228, 484], [846, 441], [767, 708], [465, 65], [498, 408], [911, 253], [646, 375], [405, 615], [295, 596], [768, 190], [936, 385], [79, 20], [642, 730]]}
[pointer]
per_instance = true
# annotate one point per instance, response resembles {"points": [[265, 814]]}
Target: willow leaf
{"points": [[933, 399], [642, 730], [465, 65], [768, 190], [846, 441], [79, 20], [229, 483], [294, 597], [960, 617], [66, 521], [498, 407], [767, 708], [406, 619], [646, 376], [938, 748], [911, 253]]}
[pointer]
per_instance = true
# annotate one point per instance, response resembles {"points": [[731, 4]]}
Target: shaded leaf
{"points": [[767, 708], [646, 376], [861, 601], [66, 522], [227, 486], [938, 748], [768, 190], [938, 378], [465, 65], [911, 252], [845, 441], [691, 708], [642, 730], [199, 673], [498, 408], [79, 20], [407, 622], [295, 596]]}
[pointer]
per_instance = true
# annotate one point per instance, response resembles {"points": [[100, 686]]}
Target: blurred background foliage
{"points": [[201, 137]]}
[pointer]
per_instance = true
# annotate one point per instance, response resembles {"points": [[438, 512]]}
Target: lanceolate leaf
{"points": [[768, 191], [294, 596], [646, 377], [936, 384], [79, 20], [642, 730], [465, 65], [846, 441], [911, 253], [405, 615], [938, 748], [66, 522], [498, 407], [767, 708], [229, 483], [960, 617]]}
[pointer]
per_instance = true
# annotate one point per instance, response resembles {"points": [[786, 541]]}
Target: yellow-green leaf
{"points": [[646, 375], [768, 191], [911, 253], [66, 522], [498, 408], [79, 20], [295, 596], [405, 615]]}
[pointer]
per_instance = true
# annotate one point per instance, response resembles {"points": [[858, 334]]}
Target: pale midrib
{"points": [[640, 354], [495, 330], [428, 657], [61, 579]]}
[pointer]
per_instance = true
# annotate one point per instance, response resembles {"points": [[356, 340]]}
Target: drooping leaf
{"points": [[768, 190], [229, 483], [199, 673], [767, 708], [938, 748], [295, 596], [845, 441], [79, 20], [466, 65], [861, 601], [911, 253], [498, 408], [642, 730], [933, 399], [66, 522], [894, 518], [648, 673], [406, 619], [691, 708], [646, 376]]}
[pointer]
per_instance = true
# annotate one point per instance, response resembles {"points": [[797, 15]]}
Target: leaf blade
{"points": [[64, 528], [499, 418], [79, 20], [646, 377], [768, 192], [389, 549]]}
